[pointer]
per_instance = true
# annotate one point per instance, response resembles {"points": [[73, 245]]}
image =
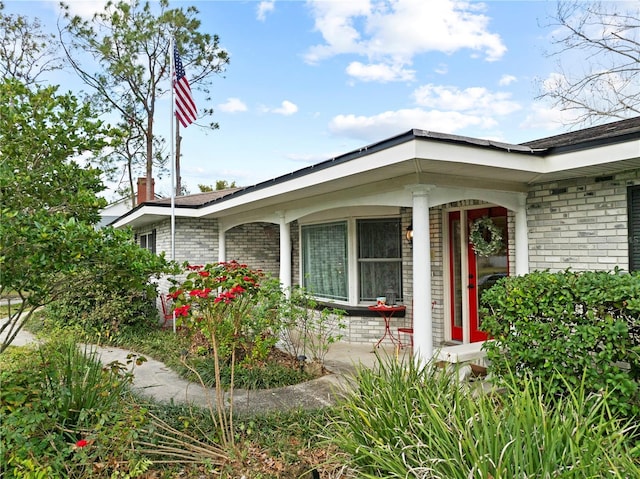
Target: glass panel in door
{"points": [[455, 248]]}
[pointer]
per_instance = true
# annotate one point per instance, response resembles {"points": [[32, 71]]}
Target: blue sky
{"points": [[309, 80]]}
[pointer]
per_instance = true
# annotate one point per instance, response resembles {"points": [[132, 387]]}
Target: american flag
{"points": [[186, 110]]}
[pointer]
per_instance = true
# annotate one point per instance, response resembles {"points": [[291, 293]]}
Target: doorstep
{"points": [[462, 353]]}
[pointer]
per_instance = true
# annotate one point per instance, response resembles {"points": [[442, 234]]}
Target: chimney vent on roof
{"points": [[142, 191]]}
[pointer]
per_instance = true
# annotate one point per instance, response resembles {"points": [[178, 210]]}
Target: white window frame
{"points": [[150, 240], [353, 280], [360, 261], [343, 224]]}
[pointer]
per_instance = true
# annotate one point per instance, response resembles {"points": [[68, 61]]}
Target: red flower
{"points": [[225, 297], [175, 294], [81, 443], [237, 289], [200, 293], [194, 267], [182, 310], [204, 274]]}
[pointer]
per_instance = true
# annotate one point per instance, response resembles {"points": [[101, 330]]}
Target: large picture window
{"points": [[379, 258], [324, 262]]}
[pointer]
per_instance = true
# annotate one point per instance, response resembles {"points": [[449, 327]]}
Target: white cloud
{"points": [[265, 7], [394, 31], [547, 118], [286, 108], [542, 117], [442, 69], [553, 82], [334, 20], [390, 123], [379, 72], [507, 80], [232, 105], [83, 8], [474, 100]]}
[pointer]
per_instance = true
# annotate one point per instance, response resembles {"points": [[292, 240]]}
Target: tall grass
{"points": [[402, 421], [62, 414], [81, 386]]}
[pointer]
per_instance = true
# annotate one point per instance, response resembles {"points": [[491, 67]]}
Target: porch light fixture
{"points": [[409, 234]]}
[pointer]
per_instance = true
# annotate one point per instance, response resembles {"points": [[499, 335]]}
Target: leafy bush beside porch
{"points": [[567, 328]]}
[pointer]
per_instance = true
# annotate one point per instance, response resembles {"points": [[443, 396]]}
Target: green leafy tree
{"points": [[605, 39], [129, 43], [220, 185], [48, 201], [26, 51]]}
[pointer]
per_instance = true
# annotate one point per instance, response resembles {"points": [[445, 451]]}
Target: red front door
{"points": [[472, 274]]}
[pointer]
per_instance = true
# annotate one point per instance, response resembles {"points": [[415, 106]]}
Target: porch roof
{"points": [[425, 156]]}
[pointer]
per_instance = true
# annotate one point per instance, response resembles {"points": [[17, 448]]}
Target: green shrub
{"points": [[63, 415], [112, 293], [568, 327], [308, 329], [103, 313], [402, 421], [266, 375]]}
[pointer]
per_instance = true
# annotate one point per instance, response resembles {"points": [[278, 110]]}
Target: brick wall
{"points": [[580, 223], [196, 241], [257, 245]]}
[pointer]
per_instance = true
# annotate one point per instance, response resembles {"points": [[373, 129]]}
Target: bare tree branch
{"points": [[598, 72]]}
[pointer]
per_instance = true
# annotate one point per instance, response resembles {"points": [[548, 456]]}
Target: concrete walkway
{"points": [[155, 380]]}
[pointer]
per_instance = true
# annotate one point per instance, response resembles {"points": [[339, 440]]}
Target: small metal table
{"points": [[387, 312]]}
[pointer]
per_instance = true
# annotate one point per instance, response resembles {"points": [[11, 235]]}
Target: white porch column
{"points": [[285, 255], [522, 237], [222, 244], [422, 319]]}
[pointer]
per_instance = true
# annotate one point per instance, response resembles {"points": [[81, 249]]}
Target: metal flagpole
{"points": [[172, 75], [173, 160]]}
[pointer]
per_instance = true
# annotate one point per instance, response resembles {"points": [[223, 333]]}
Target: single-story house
{"points": [[404, 217]]}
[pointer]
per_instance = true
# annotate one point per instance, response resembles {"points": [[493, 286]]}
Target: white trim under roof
{"points": [[407, 159]]}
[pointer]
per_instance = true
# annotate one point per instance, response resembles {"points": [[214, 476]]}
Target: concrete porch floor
{"points": [[343, 358]]}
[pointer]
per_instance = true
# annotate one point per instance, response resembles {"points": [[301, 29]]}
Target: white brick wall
{"points": [[257, 245], [580, 223], [196, 240]]}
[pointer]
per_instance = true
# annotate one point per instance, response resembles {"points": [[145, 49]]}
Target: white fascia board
{"points": [[592, 157], [379, 159], [478, 156], [145, 210], [155, 211]]}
